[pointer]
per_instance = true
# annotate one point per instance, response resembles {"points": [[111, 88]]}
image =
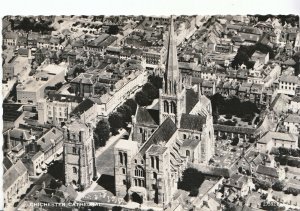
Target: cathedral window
{"points": [[125, 158], [74, 170], [74, 150], [123, 170], [157, 163], [187, 153], [139, 171], [141, 130], [184, 136], [121, 157], [152, 162], [166, 107], [197, 137], [173, 107]]}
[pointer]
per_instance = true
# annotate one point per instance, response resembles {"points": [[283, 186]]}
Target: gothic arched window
{"points": [[173, 107], [166, 106], [157, 163], [121, 157], [152, 162], [139, 171]]}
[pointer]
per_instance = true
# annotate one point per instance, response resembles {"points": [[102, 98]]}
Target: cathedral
{"points": [[164, 139]]}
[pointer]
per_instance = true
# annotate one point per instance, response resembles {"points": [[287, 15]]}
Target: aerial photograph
{"points": [[151, 113]]}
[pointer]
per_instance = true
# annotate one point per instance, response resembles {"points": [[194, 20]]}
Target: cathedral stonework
{"points": [[164, 140]]}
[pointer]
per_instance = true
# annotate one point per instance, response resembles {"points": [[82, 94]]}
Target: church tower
{"points": [[172, 95], [79, 154]]}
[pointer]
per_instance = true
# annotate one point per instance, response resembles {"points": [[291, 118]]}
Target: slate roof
{"points": [[190, 143], [294, 118], [162, 134], [156, 149], [45, 141], [289, 79], [191, 100], [82, 107], [192, 122], [12, 174], [296, 99], [278, 136], [266, 171], [147, 116], [19, 134], [7, 163], [10, 112]]}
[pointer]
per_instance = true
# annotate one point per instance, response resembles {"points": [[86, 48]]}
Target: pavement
{"points": [[103, 156]]}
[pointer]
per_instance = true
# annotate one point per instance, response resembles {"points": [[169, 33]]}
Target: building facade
{"points": [[79, 154]]}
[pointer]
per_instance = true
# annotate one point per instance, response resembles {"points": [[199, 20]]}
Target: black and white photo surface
{"points": [[139, 112]]}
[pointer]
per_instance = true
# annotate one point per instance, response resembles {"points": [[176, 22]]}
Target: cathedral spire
{"points": [[172, 71]]}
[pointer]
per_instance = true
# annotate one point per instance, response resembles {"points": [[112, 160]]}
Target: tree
{"points": [[156, 81], [142, 99], [115, 121], [191, 179], [113, 29], [101, 133], [278, 185], [132, 105], [151, 91], [125, 111], [235, 141]]}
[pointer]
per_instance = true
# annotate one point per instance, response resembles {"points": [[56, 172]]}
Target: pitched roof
{"points": [[46, 141], [269, 136], [191, 100], [190, 143], [12, 174], [156, 149], [294, 118], [290, 79], [266, 171], [192, 122], [296, 99], [7, 163], [147, 116], [162, 134]]}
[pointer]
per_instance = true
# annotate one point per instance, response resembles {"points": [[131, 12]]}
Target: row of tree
{"points": [[286, 151], [122, 116], [30, 24], [287, 160], [149, 92]]}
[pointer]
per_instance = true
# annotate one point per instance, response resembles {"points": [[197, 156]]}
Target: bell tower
{"points": [[172, 95]]}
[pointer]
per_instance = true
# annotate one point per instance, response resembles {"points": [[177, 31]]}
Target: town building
{"points": [[16, 180], [277, 139], [32, 90], [292, 123]]}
